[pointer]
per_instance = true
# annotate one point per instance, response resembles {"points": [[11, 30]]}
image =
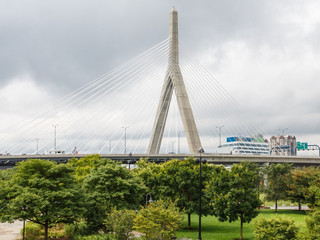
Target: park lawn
{"points": [[212, 229]]}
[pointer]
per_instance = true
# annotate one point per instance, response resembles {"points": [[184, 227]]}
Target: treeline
{"points": [[94, 196]]}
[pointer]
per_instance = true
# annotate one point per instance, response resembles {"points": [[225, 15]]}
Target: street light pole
{"points": [[283, 129], [179, 133], [125, 138], [55, 136], [172, 146], [200, 193], [150, 198], [37, 139], [219, 134]]}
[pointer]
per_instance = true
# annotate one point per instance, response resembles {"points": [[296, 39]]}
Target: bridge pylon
{"points": [[174, 80]]}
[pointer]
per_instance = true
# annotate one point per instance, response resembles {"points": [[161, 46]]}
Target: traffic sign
{"points": [[302, 145]]}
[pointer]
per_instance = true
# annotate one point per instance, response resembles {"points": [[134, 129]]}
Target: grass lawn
{"points": [[212, 229]]}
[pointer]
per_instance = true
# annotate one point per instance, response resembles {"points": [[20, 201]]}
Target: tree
{"points": [[184, 185], [44, 193], [299, 185], [235, 193], [83, 166], [110, 186], [276, 185], [159, 220]]}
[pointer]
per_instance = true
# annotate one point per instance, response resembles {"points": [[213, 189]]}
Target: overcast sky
{"points": [[265, 53]]}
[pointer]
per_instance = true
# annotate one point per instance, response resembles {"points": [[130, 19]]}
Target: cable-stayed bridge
{"points": [[125, 112]]}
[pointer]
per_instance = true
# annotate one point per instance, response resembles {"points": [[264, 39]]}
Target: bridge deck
{"points": [[211, 158]]}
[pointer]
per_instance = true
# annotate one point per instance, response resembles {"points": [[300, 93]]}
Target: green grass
{"points": [[212, 229]]}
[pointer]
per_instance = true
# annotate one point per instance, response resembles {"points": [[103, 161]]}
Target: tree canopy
{"points": [[42, 192], [235, 193]]}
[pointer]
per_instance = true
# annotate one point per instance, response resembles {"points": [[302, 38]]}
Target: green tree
{"points": [[177, 180], [235, 193], [276, 184], [299, 185], [83, 166], [110, 186], [44, 193], [159, 220], [276, 228]]}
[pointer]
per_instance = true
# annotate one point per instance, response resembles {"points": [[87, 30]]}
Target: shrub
{"points": [[313, 226], [159, 220], [276, 228], [69, 230], [95, 237], [32, 231], [120, 223]]}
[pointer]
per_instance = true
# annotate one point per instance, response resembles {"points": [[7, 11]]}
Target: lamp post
{"points": [[125, 138], [37, 139], [219, 134], [200, 193], [150, 198], [172, 146], [55, 136], [179, 133], [283, 129]]}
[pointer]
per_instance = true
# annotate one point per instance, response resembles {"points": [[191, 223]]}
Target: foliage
{"points": [[110, 186], [313, 226], [235, 194], [83, 166], [42, 192], [276, 228], [120, 223], [159, 220], [95, 237], [69, 230], [276, 185], [177, 180], [32, 230], [300, 183]]}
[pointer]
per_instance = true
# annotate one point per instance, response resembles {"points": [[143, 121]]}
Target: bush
{"points": [[95, 237], [120, 223], [32, 231], [159, 220], [313, 226], [69, 230], [276, 228]]}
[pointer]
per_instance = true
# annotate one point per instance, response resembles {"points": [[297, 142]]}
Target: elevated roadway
{"points": [[11, 160]]}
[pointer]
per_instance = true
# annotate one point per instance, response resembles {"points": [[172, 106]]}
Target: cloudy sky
{"points": [[265, 53]]}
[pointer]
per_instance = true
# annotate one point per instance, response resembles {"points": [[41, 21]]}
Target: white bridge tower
{"points": [[174, 80]]}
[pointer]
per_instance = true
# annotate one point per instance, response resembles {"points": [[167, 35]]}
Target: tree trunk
{"points": [[299, 205], [241, 228], [276, 205], [189, 220], [46, 230]]}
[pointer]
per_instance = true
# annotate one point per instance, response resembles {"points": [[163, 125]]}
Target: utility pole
{"points": [[179, 133], [219, 134], [37, 139], [125, 138], [172, 146], [55, 136], [283, 129]]}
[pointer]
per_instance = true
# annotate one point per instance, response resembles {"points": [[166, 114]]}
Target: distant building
{"points": [[246, 145], [283, 145]]}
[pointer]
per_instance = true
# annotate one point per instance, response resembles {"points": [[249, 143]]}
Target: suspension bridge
{"points": [[124, 114]]}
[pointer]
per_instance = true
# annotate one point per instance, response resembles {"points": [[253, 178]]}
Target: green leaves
{"points": [[234, 193]]}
